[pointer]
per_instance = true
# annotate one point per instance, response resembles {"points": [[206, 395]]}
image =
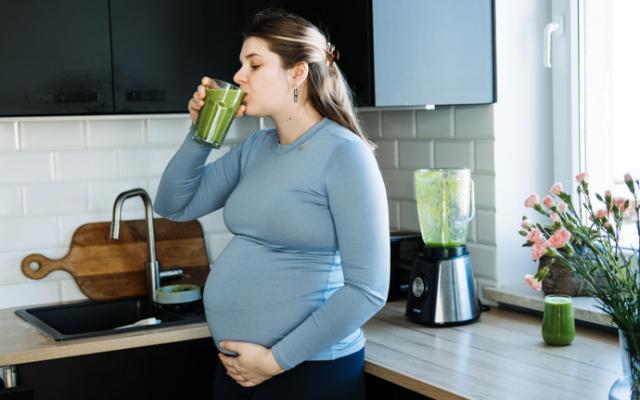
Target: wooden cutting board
{"points": [[108, 269]]}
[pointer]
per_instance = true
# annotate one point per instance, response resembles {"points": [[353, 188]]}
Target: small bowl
{"points": [[178, 294]]}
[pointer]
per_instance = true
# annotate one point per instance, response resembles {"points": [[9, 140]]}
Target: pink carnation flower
{"points": [[562, 206], [555, 218], [533, 282], [548, 201], [556, 188], [531, 201], [534, 235], [602, 213], [582, 176], [538, 250], [560, 238], [619, 202]]}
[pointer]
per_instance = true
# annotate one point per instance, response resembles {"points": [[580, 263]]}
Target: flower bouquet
{"points": [[591, 248]]}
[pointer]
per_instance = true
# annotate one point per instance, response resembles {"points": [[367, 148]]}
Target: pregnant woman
{"points": [[309, 261]]}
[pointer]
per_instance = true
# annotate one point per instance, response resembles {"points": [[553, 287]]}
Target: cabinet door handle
{"points": [[146, 95], [76, 96]]}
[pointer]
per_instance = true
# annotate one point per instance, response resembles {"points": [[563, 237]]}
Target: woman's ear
{"points": [[299, 73]]}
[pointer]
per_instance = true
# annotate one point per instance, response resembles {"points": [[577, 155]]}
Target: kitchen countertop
{"points": [[500, 357]]}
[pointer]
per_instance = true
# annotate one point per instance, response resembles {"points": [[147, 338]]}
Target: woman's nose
{"points": [[239, 78]]}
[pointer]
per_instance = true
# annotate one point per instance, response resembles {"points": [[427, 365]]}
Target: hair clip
{"points": [[332, 54]]}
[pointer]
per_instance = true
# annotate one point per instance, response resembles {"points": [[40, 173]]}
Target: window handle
{"points": [[552, 28]]}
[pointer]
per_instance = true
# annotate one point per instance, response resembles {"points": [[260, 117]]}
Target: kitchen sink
{"points": [[96, 318]]}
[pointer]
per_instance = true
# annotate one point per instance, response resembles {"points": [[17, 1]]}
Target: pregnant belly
{"points": [[258, 294]]}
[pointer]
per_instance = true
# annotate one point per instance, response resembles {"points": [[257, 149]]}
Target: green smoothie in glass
{"points": [[558, 325], [220, 106]]}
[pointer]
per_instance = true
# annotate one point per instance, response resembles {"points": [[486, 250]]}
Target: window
{"points": [[596, 84]]}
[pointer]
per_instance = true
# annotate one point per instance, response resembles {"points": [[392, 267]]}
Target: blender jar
{"points": [[445, 201]]}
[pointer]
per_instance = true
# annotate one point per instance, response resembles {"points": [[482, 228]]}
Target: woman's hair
{"points": [[295, 40]]}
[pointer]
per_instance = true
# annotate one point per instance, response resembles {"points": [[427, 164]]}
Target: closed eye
{"points": [[255, 66]]}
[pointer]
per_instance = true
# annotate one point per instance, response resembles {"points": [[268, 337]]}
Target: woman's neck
{"points": [[292, 124]]}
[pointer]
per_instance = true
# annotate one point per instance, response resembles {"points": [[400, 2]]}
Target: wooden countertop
{"points": [[500, 357]]}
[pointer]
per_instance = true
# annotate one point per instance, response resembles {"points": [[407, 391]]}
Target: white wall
{"points": [[523, 131]]}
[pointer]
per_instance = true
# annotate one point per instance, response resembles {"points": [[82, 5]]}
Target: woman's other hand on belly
{"points": [[253, 365]]}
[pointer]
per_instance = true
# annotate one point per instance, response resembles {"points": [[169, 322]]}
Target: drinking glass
{"points": [[558, 324], [221, 103]]}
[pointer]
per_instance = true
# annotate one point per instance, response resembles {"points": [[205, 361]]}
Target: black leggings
{"points": [[339, 379]]}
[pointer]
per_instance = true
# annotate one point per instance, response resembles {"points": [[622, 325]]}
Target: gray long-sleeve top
{"points": [[309, 261]]}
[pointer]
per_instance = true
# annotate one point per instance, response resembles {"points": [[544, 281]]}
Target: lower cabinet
{"points": [[170, 371], [379, 389], [183, 370]]}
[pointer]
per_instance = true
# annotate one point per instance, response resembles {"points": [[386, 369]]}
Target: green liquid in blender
{"points": [[443, 207]]}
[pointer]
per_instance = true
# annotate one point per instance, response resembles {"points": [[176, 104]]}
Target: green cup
{"points": [[221, 103], [558, 325]]}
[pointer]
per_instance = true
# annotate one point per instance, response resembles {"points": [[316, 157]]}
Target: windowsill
{"points": [[521, 296]]}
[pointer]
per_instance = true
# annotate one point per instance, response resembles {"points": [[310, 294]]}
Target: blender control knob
{"points": [[418, 287]]}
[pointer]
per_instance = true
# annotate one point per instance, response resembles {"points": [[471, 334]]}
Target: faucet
{"points": [[153, 267]]}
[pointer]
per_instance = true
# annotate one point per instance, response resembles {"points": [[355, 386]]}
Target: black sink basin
{"points": [[93, 318]]}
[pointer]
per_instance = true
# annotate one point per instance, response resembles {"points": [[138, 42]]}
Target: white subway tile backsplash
{"points": [[115, 133], [8, 136], [213, 223], [486, 222], [398, 124], [168, 131], [216, 242], [10, 270], [484, 158], [102, 194], [399, 184], [143, 162], [371, 121], [458, 154], [474, 122], [267, 123], [85, 165], [472, 231], [28, 233], [10, 201], [435, 124], [483, 260], [26, 167], [55, 198], [242, 127], [485, 191], [409, 216], [30, 293], [394, 214], [387, 153], [51, 135], [415, 154]]}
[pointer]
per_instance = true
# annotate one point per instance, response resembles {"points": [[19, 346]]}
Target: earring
{"points": [[295, 95]]}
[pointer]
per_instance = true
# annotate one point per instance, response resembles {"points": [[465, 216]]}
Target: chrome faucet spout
{"points": [[153, 267]]}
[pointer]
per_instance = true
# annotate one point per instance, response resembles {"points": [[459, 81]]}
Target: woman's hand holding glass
{"points": [[197, 100]]}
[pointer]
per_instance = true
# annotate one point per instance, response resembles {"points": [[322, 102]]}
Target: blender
{"points": [[442, 290]]}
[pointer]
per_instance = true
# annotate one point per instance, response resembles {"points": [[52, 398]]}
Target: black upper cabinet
{"points": [[348, 27], [144, 56], [162, 48], [55, 57]]}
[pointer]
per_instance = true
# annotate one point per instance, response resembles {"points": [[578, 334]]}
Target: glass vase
{"points": [[627, 387]]}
